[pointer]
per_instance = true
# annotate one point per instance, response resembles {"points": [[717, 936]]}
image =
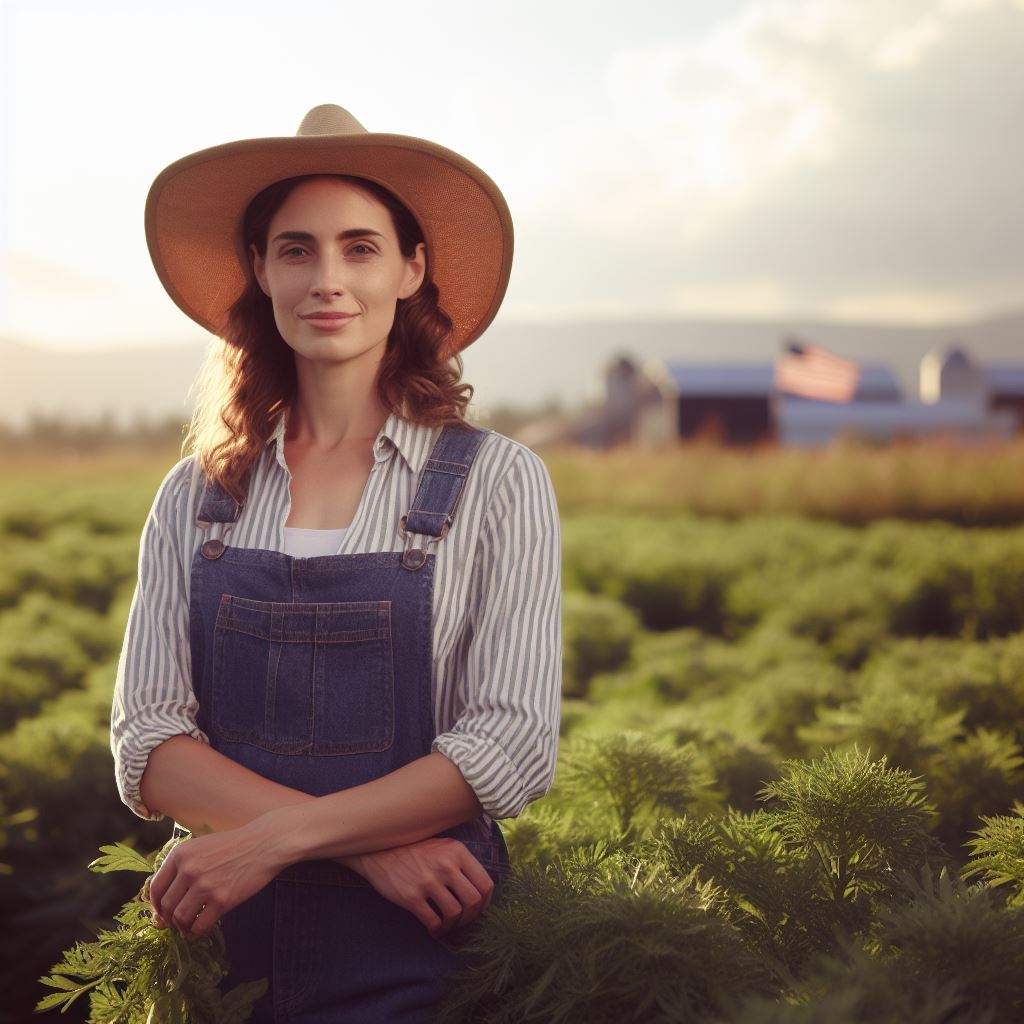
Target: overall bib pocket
{"points": [[303, 678]]}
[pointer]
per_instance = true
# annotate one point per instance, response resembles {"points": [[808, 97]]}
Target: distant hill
{"points": [[151, 383], [537, 363], [513, 364]]}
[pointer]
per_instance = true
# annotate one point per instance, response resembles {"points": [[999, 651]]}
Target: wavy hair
{"points": [[248, 377]]}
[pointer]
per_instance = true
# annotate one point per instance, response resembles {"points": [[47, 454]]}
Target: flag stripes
{"points": [[814, 372]]}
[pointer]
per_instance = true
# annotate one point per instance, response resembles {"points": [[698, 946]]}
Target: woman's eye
{"points": [[295, 250], [367, 250]]}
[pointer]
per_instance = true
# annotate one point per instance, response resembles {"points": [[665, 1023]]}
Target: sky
{"points": [[842, 159]]}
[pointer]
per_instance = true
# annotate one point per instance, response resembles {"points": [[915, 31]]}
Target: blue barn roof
{"points": [[878, 382]]}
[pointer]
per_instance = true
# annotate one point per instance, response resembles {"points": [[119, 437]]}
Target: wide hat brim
{"points": [[195, 207]]}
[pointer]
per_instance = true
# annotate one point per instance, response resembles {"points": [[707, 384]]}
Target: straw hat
{"points": [[195, 207]]}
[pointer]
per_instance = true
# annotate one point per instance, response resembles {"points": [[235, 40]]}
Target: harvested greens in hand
{"points": [[141, 974]]}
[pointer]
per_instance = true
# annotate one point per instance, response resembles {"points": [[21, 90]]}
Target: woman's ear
{"points": [[259, 269], [415, 272]]}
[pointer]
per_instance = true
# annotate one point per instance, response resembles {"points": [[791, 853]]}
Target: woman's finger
{"points": [[186, 912], [205, 922], [477, 874], [449, 908], [425, 913], [161, 881], [167, 904], [469, 896]]}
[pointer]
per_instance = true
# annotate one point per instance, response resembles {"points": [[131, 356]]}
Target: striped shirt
{"points": [[497, 641]]}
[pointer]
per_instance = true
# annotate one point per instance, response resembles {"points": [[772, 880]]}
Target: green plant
{"points": [[861, 819], [981, 775], [998, 853], [909, 728], [605, 939], [597, 636], [139, 973], [634, 776], [770, 887], [950, 932]]}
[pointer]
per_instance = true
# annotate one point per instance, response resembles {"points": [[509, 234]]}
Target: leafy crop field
{"points": [[790, 784]]}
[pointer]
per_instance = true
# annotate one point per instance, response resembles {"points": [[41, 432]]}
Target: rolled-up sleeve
{"points": [[153, 694], [505, 741]]}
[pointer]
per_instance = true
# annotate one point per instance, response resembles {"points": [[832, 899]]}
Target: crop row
{"points": [[704, 661]]}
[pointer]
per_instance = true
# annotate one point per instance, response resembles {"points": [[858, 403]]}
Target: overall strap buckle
{"points": [[416, 558], [440, 490], [217, 506]]}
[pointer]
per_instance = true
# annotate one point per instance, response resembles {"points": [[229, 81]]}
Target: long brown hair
{"points": [[248, 378]]}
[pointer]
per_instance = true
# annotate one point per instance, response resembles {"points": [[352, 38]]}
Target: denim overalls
{"points": [[316, 673]]}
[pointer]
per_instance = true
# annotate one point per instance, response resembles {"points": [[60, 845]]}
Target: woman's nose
{"points": [[327, 278]]}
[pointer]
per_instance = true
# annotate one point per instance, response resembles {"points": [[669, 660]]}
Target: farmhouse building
{"points": [[662, 401]]}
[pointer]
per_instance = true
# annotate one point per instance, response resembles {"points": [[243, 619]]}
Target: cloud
{"points": [[54, 302], [741, 299], [857, 155], [902, 307], [747, 156]]}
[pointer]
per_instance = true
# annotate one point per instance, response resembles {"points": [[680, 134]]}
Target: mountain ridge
{"points": [[518, 364]]}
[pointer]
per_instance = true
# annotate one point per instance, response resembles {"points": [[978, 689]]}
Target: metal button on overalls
{"points": [[316, 673]]}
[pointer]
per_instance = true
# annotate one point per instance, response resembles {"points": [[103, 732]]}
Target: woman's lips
{"points": [[329, 321]]}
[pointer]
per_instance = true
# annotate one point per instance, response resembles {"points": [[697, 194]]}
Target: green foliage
{"points": [[772, 880], [597, 636], [862, 820], [983, 681], [47, 646], [654, 569], [10, 822], [953, 933], [118, 857], [603, 938], [848, 591], [574, 710], [634, 777], [979, 776], [104, 499], [738, 767], [848, 482], [855, 987], [909, 727], [699, 653], [770, 886], [137, 973], [59, 762], [781, 700], [998, 853], [816, 866], [541, 834]]}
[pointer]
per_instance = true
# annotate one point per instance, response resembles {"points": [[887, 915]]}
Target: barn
{"points": [[660, 401]]}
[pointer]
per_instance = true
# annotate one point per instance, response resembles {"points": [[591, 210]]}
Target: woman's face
{"points": [[333, 271]]}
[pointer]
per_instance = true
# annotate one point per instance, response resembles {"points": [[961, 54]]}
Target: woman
{"points": [[343, 658]]}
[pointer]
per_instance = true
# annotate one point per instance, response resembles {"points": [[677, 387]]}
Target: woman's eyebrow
{"points": [[305, 236]]}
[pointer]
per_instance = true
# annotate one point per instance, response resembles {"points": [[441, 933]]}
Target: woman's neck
{"points": [[335, 407]]}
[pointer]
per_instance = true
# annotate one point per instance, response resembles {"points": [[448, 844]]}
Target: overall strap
{"points": [[442, 481], [217, 506]]}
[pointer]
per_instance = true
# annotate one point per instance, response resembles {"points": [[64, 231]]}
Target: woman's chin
{"points": [[335, 348]]}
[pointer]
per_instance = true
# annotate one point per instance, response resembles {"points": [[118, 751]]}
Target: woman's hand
{"points": [[203, 877], [437, 869]]}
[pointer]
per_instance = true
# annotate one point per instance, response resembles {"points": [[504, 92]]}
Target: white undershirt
{"points": [[303, 543]]}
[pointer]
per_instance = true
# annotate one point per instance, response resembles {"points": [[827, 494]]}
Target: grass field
{"points": [[793, 694], [853, 483]]}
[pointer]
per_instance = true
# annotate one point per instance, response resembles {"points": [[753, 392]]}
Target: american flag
{"points": [[814, 372]]}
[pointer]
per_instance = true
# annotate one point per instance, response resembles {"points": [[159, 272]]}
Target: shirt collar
{"points": [[412, 440]]}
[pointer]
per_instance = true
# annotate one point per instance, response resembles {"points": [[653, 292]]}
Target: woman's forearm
{"points": [[206, 791], [418, 800]]}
